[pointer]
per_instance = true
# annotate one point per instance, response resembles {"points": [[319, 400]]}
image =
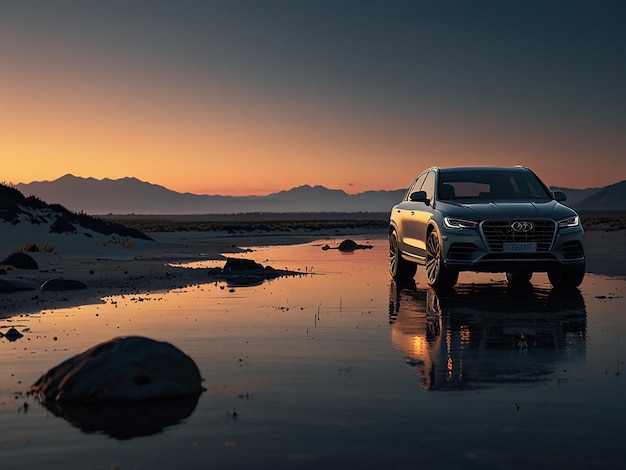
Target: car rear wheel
{"points": [[437, 274], [519, 277], [567, 278], [398, 266]]}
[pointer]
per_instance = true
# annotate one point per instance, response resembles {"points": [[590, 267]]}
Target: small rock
{"points": [[58, 284], [236, 264], [351, 245], [348, 246], [13, 334]]}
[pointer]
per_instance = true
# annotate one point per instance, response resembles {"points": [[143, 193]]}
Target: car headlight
{"points": [[452, 222], [569, 222]]}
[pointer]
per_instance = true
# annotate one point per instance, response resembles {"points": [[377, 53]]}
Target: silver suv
{"points": [[485, 219]]}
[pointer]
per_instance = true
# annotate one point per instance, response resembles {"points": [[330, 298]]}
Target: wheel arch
{"points": [[392, 227], [432, 225]]}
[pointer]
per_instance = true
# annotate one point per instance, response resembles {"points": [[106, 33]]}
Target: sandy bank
{"points": [[132, 268]]}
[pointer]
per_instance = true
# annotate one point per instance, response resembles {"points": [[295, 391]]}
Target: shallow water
{"points": [[340, 368]]}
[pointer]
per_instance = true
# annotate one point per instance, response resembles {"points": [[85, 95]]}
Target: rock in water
{"points": [[351, 245], [123, 369], [13, 334], [242, 264]]}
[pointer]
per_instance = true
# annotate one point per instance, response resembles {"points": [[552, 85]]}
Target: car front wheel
{"points": [[567, 278], [437, 274], [398, 266]]}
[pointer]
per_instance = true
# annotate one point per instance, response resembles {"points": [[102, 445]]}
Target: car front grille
{"points": [[498, 232]]}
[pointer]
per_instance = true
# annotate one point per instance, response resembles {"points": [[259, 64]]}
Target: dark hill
{"points": [[15, 208], [575, 196], [611, 197]]}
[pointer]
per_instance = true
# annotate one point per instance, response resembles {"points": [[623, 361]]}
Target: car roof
{"points": [[481, 168]]}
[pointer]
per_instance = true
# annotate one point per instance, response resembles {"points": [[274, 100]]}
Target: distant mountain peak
{"points": [[307, 188]]}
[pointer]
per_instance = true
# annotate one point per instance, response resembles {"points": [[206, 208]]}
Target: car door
{"points": [[422, 215], [403, 211], [416, 219]]}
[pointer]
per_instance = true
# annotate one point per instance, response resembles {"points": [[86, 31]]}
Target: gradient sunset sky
{"points": [[252, 97]]}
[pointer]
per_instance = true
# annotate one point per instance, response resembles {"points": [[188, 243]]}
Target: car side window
{"points": [[429, 185], [416, 186]]}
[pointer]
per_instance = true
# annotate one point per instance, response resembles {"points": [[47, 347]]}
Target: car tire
{"points": [[437, 275], [566, 278], [519, 277], [398, 266]]}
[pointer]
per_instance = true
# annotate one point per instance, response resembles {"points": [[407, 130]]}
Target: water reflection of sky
{"points": [[337, 369]]}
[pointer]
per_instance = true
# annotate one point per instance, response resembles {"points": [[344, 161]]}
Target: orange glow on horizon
{"points": [[224, 141]]}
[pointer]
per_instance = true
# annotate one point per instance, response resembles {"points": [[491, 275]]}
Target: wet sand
{"points": [[154, 266], [606, 252], [140, 266]]}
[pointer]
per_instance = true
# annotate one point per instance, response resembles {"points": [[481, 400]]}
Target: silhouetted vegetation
{"points": [[32, 247], [245, 223], [246, 226], [607, 224], [14, 206]]}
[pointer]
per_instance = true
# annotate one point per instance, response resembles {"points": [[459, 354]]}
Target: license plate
{"points": [[519, 247]]}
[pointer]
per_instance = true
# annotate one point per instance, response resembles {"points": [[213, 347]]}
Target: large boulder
{"points": [[125, 369], [20, 260]]}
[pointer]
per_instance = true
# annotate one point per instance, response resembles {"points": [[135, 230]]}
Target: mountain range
{"points": [[132, 196]]}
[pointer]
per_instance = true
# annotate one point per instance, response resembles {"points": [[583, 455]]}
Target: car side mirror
{"points": [[560, 196], [419, 196]]}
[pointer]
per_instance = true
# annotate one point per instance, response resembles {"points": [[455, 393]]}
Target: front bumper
{"points": [[467, 250]]}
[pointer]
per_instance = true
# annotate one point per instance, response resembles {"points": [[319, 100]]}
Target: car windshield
{"points": [[487, 185]]}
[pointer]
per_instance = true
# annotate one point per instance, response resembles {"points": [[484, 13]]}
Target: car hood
{"points": [[507, 210]]}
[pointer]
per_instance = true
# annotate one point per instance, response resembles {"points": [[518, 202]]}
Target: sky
{"points": [[239, 97]]}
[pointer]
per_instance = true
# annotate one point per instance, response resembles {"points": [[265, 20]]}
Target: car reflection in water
{"points": [[484, 335]]}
